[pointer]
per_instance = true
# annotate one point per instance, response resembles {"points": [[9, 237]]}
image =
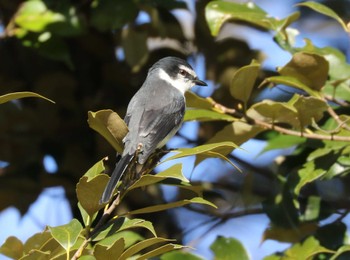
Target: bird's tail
{"points": [[118, 172]]}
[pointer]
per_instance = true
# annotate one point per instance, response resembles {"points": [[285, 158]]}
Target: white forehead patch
{"points": [[181, 85]]}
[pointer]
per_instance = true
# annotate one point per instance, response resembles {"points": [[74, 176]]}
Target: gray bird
{"points": [[154, 114]]}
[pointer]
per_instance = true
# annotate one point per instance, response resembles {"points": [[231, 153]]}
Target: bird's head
{"points": [[177, 72]]}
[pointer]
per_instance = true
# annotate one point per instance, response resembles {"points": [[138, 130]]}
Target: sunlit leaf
{"points": [[203, 115], [135, 249], [108, 124], [171, 205], [95, 170], [122, 224], [340, 251], [308, 174], [306, 250], [283, 142], [290, 235], [318, 7], [129, 237], [243, 82], [274, 112], [113, 251], [228, 248], [309, 68], [17, 95], [290, 81], [38, 241], [13, 248], [175, 255], [237, 132], [160, 250], [195, 101], [67, 235], [174, 172], [89, 193]]}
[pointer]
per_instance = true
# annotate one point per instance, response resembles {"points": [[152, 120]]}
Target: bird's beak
{"points": [[199, 82]]}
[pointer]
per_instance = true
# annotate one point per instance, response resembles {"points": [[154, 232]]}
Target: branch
{"points": [[283, 130]]}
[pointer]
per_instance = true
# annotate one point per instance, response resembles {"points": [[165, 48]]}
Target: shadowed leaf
{"points": [[17, 95], [13, 248]]}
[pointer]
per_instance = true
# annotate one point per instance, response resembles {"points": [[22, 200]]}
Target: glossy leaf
{"points": [[175, 255], [283, 142], [237, 132], [203, 115], [228, 248], [309, 68], [174, 172], [108, 124], [13, 248], [137, 248], [306, 250], [195, 101], [309, 109], [89, 193], [171, 205], [290, 81], [17, 95], [160, 250], [290, 235], [67, 235], [122, 224], [35, 16], [243, 82], [320, 8], [95, 170], [274, 112], [113, 251], [129, 238], [223, 148]]}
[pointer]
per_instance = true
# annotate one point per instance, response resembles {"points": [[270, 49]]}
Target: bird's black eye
{"points": [[182, 72]]}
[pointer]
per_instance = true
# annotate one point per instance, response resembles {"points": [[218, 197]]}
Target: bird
{"points": [[154, 114]]}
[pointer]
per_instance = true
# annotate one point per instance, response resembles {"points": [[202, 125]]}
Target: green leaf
{"points": [[108, 124], [290, 235], [174, 172], [194, 101], [176, 204], [306, 250], [223, 148], [135, 48], [309, 68], [121, 224], [274, 112], [135, 249], [13, 248], [39, 241], [282, 142], [203, 115], [290, 81], [340, 251], [95, 170], [320, 8], [35, 254], [113, 251], [16, 95], [129, 237], [308, 174], [243, 82], [35, 16], [309, 109], [175, 255], [109, 15], [89, 193], [237, 132], [228, 248], [67, 235], [160, 250]]}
